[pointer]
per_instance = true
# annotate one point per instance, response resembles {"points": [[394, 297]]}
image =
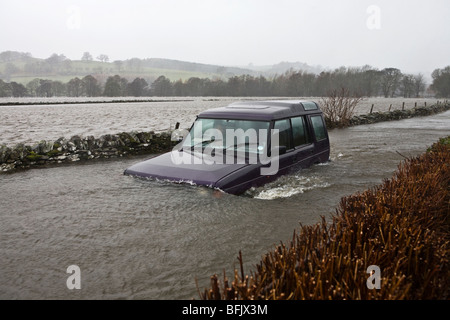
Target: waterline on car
{"points": [[288, 186]]}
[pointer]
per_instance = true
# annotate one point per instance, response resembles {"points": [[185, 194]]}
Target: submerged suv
{"points": [[244, 145]]}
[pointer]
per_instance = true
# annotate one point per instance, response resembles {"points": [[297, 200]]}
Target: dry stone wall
{"points": [[78, 148]]}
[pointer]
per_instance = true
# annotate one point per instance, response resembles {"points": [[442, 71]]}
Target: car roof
{"points": [[263, 110]]}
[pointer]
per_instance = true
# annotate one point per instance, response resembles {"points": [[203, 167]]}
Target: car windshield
{"points": [[236, 135]]}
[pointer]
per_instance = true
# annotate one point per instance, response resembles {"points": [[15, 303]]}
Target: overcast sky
{"points": [[411, 35]]}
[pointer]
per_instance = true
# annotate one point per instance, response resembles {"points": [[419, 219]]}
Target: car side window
{"points": [[299, 131], [319, 127], [285, 133]]}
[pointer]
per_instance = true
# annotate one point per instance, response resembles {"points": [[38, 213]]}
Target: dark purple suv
{"points": [[243, 145]]}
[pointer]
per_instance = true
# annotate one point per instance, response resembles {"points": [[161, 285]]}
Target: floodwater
{"points": [[29, 124], [142, 239]]}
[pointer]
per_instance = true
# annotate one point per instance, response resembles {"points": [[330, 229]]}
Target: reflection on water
{"points": [[142, 239]]}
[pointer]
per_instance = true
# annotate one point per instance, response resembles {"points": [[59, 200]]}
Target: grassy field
{"points": [[150, 74], [100, 70]]}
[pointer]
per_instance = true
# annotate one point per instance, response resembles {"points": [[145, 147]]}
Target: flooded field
{"points": [[139, 239], [31, 123]]}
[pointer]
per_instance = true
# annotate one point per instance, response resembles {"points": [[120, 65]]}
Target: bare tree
{"points": [[55, 59], [339, 107], [86, 56], [390, 79], [103, 58], [91, 86], [441, 82], [161, 87], [419, 84], [75, 87], [407, 85]]}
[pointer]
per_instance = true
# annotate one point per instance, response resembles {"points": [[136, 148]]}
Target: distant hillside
{"points": [[283, 67], [167, 64], [58, 76], [23, 67]]}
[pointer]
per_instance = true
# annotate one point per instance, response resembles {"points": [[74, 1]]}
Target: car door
{"points": [[286, 149], [304, 148], [321, 140]]}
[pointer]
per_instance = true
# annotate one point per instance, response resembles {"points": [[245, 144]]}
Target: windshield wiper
{"points": [[242, 144], [203, 142]]}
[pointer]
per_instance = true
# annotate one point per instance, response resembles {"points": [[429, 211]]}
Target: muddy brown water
{"points": [[141, 239]]}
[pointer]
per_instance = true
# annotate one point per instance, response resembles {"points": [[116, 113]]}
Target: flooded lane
{"points": [[141, 239]]}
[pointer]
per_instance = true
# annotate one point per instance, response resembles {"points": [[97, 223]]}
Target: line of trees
{"points": [[87, 86], [441, 82], [365, 81]]}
